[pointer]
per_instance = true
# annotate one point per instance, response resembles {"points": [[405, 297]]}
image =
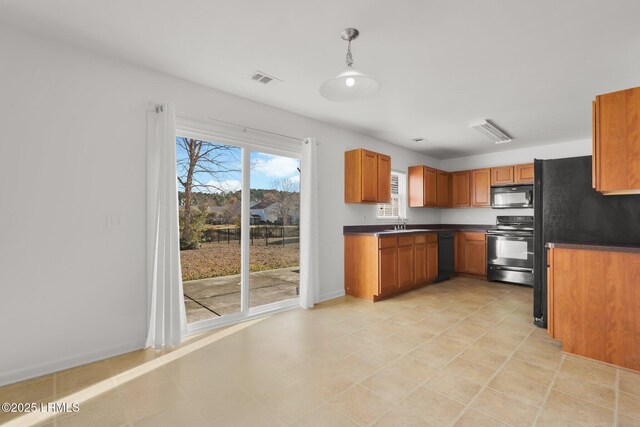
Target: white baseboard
{"points": [[71, 362], [331, 295]]}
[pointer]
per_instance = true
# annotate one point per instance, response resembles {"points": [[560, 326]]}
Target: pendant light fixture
{"points": [[350, 85]]}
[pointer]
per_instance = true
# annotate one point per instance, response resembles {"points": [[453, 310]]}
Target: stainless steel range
{"points": [[510, 250]]}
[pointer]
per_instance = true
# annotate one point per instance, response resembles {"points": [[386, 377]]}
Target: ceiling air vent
{"points": [[264, 78], [491, 131]]}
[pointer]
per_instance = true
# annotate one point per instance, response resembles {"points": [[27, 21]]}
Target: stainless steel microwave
{"points": [[515, 196]]}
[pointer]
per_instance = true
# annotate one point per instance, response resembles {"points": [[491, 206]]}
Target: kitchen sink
{"points": [[400, 231]]}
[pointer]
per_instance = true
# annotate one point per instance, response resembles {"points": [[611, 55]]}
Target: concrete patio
{"points": [[215, 297]]}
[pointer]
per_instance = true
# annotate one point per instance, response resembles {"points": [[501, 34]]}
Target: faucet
{"points": [[401, 224]]}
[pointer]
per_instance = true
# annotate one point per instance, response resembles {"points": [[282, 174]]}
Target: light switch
{"points": [[115, 220]]}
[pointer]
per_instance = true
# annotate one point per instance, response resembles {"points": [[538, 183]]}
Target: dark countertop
{"points": [[606, 247], [387, 229]]}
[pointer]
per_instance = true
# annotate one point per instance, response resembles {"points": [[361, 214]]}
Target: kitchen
{"points": [[453, 232]]}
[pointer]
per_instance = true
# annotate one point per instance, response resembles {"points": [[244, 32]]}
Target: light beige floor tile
{"points": [[131, 360], [324, 416], [432, 356], [484, 357], [182, 414], [412, 369], [75, 379], [469, 370], [36, 390], [522, 369], [360, 404], [627, 421], [628, 404], [519, 388], [253, 415], [630, 382], [431, 406], [466, 333], [379, 353], [327, 384], [454, 386], [414, 333], [495, 345], [262, 384], [505, 408], [293, 401], [150, 400], [564, 409], [389, 385], [354, 368], [473, 418], [222, 401], [448, 345], [104, 410], [399, 417], [408, 317], [588, 371], [401, 344], [539, 357], [587, 390]]}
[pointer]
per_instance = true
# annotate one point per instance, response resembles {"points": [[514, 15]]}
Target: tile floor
{"points": [[462, 353]]}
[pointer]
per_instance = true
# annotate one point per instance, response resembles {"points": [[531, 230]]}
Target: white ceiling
{"points": [[532, 67]]}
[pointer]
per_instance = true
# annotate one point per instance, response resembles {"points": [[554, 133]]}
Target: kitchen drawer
{"points": [[474, 236], [405, 240], [421, 238], [432, 238], [387, 242]]}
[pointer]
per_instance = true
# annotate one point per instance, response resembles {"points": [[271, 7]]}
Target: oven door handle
{"points": [[511, 236]]}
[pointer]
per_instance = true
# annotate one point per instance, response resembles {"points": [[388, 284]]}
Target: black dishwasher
{"points": [[446, 267]]}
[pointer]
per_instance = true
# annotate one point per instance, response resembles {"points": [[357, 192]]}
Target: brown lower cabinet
{"points": [[471, 252], [376, 267], [594, 303]]}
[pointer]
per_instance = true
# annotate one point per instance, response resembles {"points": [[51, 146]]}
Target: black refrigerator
{"points": [[567, 209]]}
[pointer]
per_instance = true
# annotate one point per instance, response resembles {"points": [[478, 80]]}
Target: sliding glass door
{"points": [[239, 211], [274, 252]]}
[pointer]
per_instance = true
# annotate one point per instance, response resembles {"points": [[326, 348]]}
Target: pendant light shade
{"points": [[350, 85]]}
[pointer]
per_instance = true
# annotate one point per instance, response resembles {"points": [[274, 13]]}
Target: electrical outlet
{"points": [[115, 220]]}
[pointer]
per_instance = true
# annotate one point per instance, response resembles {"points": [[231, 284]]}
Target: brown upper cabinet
{"points": [[508, 175], [616, 142], [461, 189], [422, 187], [481, 188], [523, 174], [502, 175], [367, 177], [430, 187], [443, 189]]}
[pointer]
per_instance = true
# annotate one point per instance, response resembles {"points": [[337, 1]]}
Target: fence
{"points": [[258, 235]]}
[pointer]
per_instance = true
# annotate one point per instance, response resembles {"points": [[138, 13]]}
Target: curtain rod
{"points": [[182, 114]]}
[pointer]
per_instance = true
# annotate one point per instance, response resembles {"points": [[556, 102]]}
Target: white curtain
{"points": [[167, 318], [309, 273]]}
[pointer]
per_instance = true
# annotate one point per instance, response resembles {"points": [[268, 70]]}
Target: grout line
{"points": [[550, 389], [456, 355], [617, 397], [495, 374]]}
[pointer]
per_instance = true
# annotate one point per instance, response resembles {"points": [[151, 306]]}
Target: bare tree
{"points": [[203, 160], [288, 199]]}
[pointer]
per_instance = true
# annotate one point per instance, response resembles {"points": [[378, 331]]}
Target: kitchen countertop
{"points": [[606, 247], [387, 229]]}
